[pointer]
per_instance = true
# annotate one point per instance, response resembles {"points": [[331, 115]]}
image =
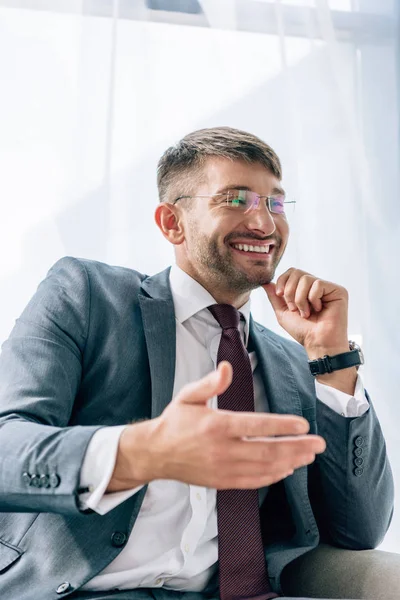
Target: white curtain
{"points": [[92, 92]]}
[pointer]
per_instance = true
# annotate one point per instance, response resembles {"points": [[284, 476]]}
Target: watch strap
{"points": [[328, 364]]}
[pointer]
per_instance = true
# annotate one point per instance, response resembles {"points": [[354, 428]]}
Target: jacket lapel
{"points": [[276, 372], [158, 315], [283, 396]]}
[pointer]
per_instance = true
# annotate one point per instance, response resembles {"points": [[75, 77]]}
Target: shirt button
{"points": [[187, 548], [158, 581], [198, 496]]}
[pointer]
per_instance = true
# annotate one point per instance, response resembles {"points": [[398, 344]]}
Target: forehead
{"points": [[219, 173]]}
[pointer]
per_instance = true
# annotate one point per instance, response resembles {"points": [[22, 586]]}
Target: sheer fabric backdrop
{"points": [[92, 92]]}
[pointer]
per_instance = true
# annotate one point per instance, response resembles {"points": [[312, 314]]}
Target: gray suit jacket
{"points": [[95, 347]]}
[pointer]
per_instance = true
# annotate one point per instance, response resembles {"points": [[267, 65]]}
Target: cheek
{"points": [[211, 230], [282, 228], [215, 230]]}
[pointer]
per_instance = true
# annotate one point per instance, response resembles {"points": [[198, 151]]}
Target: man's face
{"points": [[213, 231]]}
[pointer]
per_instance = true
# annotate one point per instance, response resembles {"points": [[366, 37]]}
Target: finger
{"points": [[250, 483], [247, 424], [258, 474], [316, 293], [250, 476], [286, 450], [281, 281], [289, 292], [301, 295], [302, 444], [260, 469], [242, 469], [278, 304], [213, 384]]}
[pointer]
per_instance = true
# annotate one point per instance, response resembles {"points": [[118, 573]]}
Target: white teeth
{"points": [[247, 248]]}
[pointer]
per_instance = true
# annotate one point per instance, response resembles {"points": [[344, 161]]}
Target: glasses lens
{"points": [[245, 200], [237, 199], [241, 199], [277, 204]]}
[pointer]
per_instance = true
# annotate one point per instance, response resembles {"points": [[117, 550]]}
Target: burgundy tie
{"points": [[242, 569]]}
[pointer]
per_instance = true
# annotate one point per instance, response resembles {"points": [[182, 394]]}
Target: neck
{"points": [[236, 300], [217, 291]]}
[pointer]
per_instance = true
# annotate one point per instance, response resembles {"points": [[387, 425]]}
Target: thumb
{"points": [[278, 304], [213, 384]]}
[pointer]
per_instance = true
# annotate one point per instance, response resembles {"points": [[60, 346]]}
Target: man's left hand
{"points": [[312, 311]]}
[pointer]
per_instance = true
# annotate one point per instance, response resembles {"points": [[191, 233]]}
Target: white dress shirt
{"points": [[174, 540]]}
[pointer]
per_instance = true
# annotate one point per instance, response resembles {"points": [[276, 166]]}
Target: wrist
{"points": [[133, 462], [314, 352], [339, 370]]}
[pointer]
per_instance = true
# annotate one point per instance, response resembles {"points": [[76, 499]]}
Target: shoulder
{"points": [[84, 283], [82, 267], [81, 276]]}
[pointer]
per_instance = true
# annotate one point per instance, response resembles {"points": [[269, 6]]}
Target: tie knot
{"points": [[226, 315]]}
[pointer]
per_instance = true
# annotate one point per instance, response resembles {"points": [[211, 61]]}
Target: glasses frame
{"points": [[255, 205]]}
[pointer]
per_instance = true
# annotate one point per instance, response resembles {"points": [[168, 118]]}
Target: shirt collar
{"points": [[190, 297]]}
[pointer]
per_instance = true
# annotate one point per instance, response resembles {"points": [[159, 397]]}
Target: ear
{"points": [[168, 221]]}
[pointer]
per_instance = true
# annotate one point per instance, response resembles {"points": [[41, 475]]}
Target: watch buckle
{"points": [[326, 364]]}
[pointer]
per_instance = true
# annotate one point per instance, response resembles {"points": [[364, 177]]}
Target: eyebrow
{"points": [[276, 190]]}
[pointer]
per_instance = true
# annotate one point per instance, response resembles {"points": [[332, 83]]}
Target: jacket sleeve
{"points": [[351, 483], [40, 373]]}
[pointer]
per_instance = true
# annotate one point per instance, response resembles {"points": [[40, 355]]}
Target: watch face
{"points": [[354, 346]]}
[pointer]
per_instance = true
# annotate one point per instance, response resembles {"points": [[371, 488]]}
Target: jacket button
{"points": [[358, 472], [358, 451], [26, 478], [358, 462], [118, 539], [359, 441], [44, 481], [64, 587], [54, 480], [35, 481]]}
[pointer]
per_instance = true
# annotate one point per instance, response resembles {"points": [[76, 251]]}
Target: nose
{"points": [[260, 219]]}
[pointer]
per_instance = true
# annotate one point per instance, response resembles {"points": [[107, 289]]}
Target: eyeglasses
{"points": [[243, 201]]}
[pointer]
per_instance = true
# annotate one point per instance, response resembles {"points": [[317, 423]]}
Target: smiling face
{"points": [[228, 251]]}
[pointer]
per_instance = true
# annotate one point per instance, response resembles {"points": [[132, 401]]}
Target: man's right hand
{"points": [[193, 443]]}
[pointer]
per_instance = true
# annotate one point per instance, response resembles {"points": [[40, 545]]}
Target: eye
{"points": [[237, 198], [236, 202], [277, 203]]}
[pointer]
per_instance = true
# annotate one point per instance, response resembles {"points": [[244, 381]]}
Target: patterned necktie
{"points": [[242, 568]]}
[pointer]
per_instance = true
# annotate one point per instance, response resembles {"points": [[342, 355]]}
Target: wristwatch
{"points": [[327, 364]]}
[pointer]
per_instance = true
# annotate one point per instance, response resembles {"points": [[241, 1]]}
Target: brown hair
{"points": [[181, 163]]}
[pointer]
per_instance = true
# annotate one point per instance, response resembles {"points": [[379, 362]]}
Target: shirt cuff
{"points": [[97, 469], [341, 403]]}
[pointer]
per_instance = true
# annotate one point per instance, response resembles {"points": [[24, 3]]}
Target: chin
{"points": [[260, 278]]}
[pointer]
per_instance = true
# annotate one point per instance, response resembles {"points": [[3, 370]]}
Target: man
{"points": [[119, 476]]}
